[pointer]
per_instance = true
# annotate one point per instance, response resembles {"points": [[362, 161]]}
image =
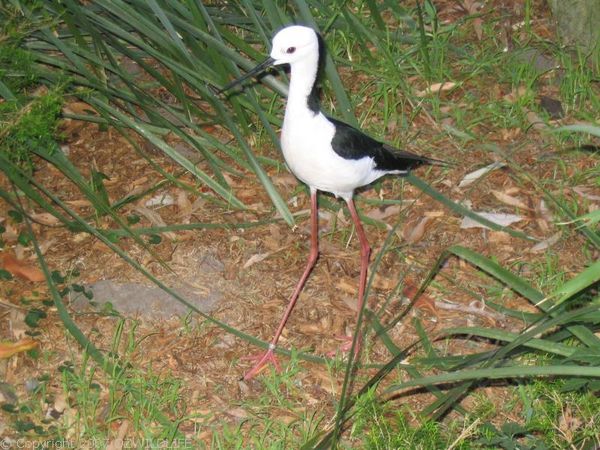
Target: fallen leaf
{"points": [[46, 245], [510, 200], [185, 206], [156, 220], [238, 413], [384, 212], [78, 203], [476, 307], [470, 178], [478, 27], [436, 88], [19, 252], [22, 269], [17, 325], [55, 411], [434, 214], [351, 302], [45, 219], [309, 328], [256, 259], [424, 302], [413, 233], [516, 94], [546, 243], [287, 420], [8, 349], [501, 219], [164, 199], [78, 108], [544, 217], [584, 192], [537, 123]]}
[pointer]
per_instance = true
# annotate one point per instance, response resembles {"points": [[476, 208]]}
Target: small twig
{"points": [[465, 433]]}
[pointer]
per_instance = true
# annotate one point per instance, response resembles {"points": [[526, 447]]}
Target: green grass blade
{"points": [[585, 280], [506, 336], [513, 372]]}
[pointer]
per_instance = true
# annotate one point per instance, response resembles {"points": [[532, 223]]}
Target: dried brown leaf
{"points": [[79, 203], [45, 219], [546, 243], [384, 212], [586, 192], [510, 200], [537, 123], [21, 269], [502, 219], [516, 94], [161, 199], [185, 206], [436, 88], [414, 233], [256, 258], [8, 349], [471, 177], [155, 219], [238, 413], [423, 302]]}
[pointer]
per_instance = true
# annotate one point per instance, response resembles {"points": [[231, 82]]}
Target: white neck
{"points": [[303, 77]]}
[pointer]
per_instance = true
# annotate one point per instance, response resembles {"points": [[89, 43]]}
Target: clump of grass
{"points": [[29, 114], [382, 425], [16, 67], [28, 126]]}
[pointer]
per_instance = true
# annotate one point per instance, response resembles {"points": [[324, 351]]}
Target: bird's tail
{"points": [[412, 160]]}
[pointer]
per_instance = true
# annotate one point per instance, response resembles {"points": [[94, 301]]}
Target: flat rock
{"points": [[151, 302]]}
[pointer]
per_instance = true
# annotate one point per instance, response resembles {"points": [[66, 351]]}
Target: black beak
{"points": [[258, 69]]}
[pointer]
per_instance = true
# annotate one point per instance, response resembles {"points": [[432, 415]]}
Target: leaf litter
{"points": [[253, 295]]}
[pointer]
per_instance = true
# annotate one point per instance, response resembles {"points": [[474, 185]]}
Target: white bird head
{"points": [[294, 43], [290, 45]]}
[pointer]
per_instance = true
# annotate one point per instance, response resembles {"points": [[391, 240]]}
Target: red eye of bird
{"points": [[291, 50]]}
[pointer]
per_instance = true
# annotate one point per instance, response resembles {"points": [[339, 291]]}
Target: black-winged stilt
{"points": [[326, 154]]}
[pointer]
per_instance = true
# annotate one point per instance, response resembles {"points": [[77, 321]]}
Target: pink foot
{"points": [[346, 346], [262, 362]]}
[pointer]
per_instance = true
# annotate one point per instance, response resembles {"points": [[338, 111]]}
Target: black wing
{"points": [[350, 143]]}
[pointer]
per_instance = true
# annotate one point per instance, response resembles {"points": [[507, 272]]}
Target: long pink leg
{"points": [[365, 253], [269, 355]]}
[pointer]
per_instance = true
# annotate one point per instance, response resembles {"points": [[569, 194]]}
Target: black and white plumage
{"points": [[325, 153]]}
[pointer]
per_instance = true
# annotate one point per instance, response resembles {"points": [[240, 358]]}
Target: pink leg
{"points": [[269, 355], [365, 252]]}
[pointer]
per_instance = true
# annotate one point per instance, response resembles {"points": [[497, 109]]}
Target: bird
{"points": [[325, 153]]}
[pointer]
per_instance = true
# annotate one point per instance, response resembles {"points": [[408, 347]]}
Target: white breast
{"points": [[308, 153]]}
